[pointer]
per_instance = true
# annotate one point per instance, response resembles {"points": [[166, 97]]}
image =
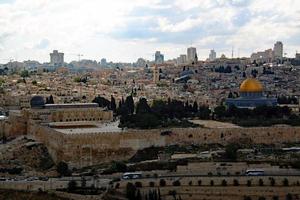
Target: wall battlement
{"points": [[92, 148]]}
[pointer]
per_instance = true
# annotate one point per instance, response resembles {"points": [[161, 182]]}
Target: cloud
{"points": [[44, 43], [128, 29]]}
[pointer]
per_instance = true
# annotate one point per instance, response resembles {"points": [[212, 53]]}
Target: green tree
{"points": [[260, 182], [72, 185], [34, 82], [142, 106], [231, 151], [130, 191], [83, 182], [236, 182], [130, 104], [285, 182], [272, 181], [224, 182], [195, 107], [247, 198], [118, 166], [63, 169], [24, 74], [289, 196], [162, 182], [113, 105], [220, 111], [249, 183], [138, 195]]}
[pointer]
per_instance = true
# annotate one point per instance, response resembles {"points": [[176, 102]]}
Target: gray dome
{"points": [[37, 102]]}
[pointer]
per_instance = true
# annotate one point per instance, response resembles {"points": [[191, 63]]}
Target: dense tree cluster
{"points": [[159, 114], [49, 100], [174, 113], [259, 116], [223, 69], [287, 100]]}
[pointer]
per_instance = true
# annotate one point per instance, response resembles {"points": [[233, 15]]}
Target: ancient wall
{"points": [[92, 148]]}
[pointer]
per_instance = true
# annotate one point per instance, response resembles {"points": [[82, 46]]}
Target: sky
{"points": [[124, 30]]}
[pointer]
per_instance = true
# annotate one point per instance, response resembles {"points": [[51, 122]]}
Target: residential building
{"points": [[192, 55], [212, 55], [56, 58]]}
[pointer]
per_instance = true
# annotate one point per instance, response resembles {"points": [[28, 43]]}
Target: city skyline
{"points": [[126, 30]]}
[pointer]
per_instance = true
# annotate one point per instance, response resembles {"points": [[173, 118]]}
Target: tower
{"points": [[56, 58], [192, 54], [278, 50], [155, 74]]}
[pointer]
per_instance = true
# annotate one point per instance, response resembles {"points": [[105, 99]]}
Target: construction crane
{"points": [[78, 55]]}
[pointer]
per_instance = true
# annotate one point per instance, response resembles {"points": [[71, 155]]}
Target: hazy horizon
{"points": [[124, 30]]}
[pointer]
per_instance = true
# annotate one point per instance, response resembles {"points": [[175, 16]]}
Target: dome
{"points": [[251, 85], [37, 102]]}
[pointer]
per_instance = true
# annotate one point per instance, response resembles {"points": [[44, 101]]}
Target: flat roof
{"points": [[100, 128], [71, 105]]}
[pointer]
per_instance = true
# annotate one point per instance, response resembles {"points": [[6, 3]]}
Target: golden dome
{"points": [[251, 85]]}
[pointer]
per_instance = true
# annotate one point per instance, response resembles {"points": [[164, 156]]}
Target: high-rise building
{"points": [[181, 59], [103, 62], [192, 55], [56, 58], [212, 55], [159, 58], [278, 50]]}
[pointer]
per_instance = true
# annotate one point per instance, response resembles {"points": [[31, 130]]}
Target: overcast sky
{"points": [[124, 30]]}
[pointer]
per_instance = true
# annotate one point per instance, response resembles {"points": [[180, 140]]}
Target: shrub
{"points": [[199, 182], [285, 182], [176, 183], [249, 183], [272, 181], [63, 169], [118, 166], [224, 182], [236, 182], [172, 192], [289, 196], [130, 191], [151, 184], [72, 185], [162, 182], [260, 182], [138, 184], [275, 198]]}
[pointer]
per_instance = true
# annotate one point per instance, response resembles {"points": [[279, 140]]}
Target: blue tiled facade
{"points": [[251, 100]]}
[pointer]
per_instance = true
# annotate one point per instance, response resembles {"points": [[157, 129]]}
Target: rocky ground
{"points": [[23, 156], [22, 195]]}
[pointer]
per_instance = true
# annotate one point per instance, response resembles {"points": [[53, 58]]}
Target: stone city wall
{"points": [[93, 148]]}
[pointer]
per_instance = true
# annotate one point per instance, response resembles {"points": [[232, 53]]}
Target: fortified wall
{"points": [[92, 148]]}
